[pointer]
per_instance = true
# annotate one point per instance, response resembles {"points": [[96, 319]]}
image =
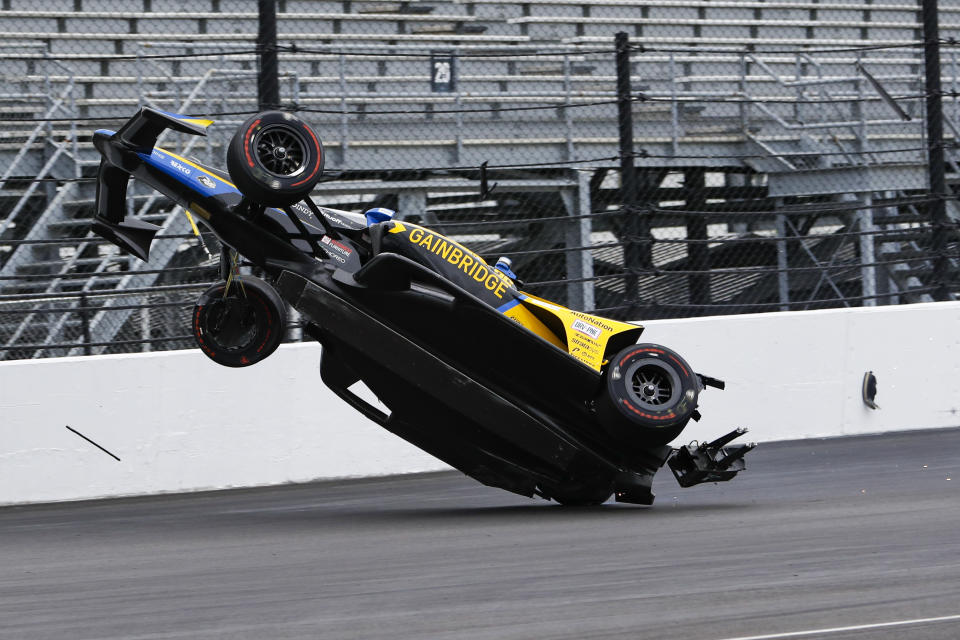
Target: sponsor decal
{"points": [[182, 168], [302, 209], [207, 182], [342, 248], [462, 259], [336, 250], [586, 328], [582, 347], [594, 320], [334, 219], [337, 219]]}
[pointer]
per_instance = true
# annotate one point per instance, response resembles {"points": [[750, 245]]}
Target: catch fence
{"points": [[719, 157]]}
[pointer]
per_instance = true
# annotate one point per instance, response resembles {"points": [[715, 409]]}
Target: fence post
{"points": [[868, 252], [938, 186], [783, 262], [344, 120], [698, 253], [568, 112], [635, 230], [85, 324], [268, 82]]}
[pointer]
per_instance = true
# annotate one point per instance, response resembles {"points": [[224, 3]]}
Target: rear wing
{"points": [[120, 158], [142, 130]]}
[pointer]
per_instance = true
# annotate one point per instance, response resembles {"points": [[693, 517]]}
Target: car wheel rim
{"points": [[653, 385], [281, 151], [231, 323]]}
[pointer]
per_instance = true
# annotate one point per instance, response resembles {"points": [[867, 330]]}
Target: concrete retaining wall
{"points": [[178, 422], [799, 374]]}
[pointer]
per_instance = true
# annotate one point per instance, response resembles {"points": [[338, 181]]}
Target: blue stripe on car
{"points": [[506, 306], [187, 174]]}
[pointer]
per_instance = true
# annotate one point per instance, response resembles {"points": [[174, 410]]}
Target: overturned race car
{"points": [[513, 390]]}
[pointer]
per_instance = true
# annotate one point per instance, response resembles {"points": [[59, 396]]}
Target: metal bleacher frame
{"points": [[708, 102]]}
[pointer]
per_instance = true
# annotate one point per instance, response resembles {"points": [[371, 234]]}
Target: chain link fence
{"points": [[743, 156]]}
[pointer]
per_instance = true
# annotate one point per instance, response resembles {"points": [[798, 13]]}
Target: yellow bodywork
{"points": [[585, 337]]}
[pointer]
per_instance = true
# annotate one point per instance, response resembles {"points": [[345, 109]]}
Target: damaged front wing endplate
{"points": [[710, 461]]}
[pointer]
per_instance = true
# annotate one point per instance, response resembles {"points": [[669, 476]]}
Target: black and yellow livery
{"points": [[584, 336], [514, 390]]}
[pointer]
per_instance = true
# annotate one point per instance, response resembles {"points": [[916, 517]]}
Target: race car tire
{"points": [[275, 159], [241, 328], [649, 395]]}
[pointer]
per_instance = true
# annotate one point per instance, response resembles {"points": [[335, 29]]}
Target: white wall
{"points": [[179, 422], [799, 374]]}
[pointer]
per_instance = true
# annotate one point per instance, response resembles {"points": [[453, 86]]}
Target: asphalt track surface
{"points": [[854, 534]]}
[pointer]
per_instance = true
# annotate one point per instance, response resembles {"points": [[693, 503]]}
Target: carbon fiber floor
{"points": [[815, 535]]}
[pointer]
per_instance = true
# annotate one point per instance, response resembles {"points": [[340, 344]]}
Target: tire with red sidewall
{"points": [[275, 159], [242, 328], [649, 394]]}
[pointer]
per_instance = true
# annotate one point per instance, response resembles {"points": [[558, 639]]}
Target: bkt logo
{"points": [[179, 167]]}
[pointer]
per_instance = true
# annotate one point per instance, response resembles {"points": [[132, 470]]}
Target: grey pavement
{"points": [[814, 535]]}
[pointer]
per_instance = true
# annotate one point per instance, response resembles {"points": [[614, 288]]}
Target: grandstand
{"points": [[780, 147]]}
